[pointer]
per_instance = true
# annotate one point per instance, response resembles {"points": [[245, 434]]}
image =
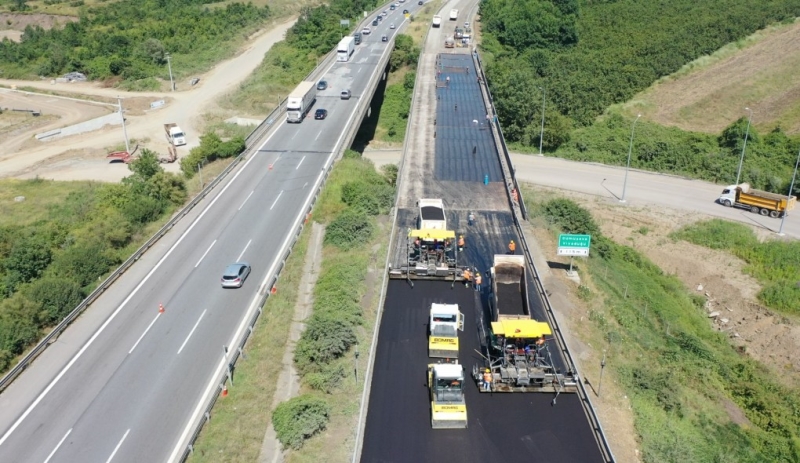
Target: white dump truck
{"points": [[174, 134], [346, 48], [300, 101], [431, 215]]}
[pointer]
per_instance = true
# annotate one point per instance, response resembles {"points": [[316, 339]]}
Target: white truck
{"points": [[431, 215], [453, 14], [346, 48], [175, 134], [437, 20], [300, 101], [443, 326]]}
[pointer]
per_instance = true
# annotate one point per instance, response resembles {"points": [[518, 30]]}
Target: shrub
{"points": [[300, 418], [324, 340], [327, 379], [350, 227], [569, 217], [19, 326], [82, 262], [54, 298]]}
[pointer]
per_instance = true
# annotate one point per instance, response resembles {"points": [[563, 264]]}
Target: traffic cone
{"points": [[160, 308], [274, 290], [225, 391]]}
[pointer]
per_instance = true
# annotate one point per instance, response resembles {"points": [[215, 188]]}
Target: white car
{"points": [[391, 26], [365, 31]]}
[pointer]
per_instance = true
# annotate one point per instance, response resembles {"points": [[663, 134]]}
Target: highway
{"points": [[125, 382]]}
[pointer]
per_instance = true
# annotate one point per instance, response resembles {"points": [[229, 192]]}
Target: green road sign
{"points": [[574, 245]]}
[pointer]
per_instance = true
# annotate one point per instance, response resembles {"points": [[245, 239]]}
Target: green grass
{"points": [[775, 264], [40, 197], [676, 370]]}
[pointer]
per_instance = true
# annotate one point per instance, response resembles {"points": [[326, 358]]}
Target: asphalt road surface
{"points": [[129, 388]]}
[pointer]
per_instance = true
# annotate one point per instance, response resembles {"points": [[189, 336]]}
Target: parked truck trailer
{"points": [[300, 101], [757, 201]]}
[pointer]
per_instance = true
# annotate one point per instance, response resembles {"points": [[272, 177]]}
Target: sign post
{"points": [[573, 245]]}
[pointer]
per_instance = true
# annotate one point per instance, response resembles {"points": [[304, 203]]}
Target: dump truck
{"points": [[757, 201], [174, 134], [431, 215], [446, 385], [300, 101], [444, 323], [437, 20], [517, 354]]}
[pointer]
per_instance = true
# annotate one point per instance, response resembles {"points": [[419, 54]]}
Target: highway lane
{"points": [[128, 393], [647, 189]]}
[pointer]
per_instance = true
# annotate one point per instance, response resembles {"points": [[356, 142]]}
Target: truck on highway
{"points": [[453, 14], [437, 20], [446, 385], [345, 49], [517, 356], [444, 323], [449, 42], [300, 101], [757, 201], [431, 214], [174, 134]]}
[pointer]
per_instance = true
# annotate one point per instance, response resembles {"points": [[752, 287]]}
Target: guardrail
{"points": [[518, 209]]}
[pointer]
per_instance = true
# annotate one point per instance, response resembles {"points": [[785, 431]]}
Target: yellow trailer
{"points": [[757, 201]]}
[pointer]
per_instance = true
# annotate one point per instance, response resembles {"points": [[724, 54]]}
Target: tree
{"points": [[29, 257], [145, 165], [54, 298]]}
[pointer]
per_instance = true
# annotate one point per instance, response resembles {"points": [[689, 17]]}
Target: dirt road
{"points": [[82, 157]]}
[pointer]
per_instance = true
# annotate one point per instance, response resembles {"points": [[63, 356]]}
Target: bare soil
{"points": [[19, 21], [767, 337], [710, 93]]}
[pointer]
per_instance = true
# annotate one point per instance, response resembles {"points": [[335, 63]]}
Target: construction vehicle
{"points": [[122, 156], [431, 215], [517, 353], [757, 201], [446, 384], [443, 326], [175, 134]]}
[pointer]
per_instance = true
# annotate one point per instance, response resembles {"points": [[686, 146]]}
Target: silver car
{"points": [[235, 274]]}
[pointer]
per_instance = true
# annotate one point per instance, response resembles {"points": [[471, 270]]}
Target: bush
{"points": [[82, 262], [300, 418], [327, 379], [350, 227], [569, 217], [19, 325], [324, 340], [54, 298]]}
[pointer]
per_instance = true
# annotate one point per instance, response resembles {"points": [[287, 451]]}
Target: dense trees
{"points": [[128, 38]]}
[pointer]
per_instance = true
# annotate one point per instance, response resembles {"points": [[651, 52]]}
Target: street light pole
{"points": [[628, 166], [789, 196], [124, 130], [746, 133], [541, 132], [169, 66]]}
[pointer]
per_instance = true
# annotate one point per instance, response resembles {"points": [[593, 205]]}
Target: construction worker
{"points": [[514, 195], [456, 107], [512, 247], [467, 277], [487, 380], [461, 242], [471, 218], [478, 281]]}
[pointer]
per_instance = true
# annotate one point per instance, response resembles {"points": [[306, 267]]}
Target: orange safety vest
{"points": [[512, 246], [467, 275], [487, 377], [461, 241]]}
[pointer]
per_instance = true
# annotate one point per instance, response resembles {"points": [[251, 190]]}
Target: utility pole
{"points": [[602, 367], [628, 167], [124, 130], [746, 133], [789, 196], [541, 132], [169, 66]]}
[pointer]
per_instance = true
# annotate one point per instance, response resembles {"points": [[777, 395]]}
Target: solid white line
{"points": [[204, 254], [301, 161], [191, 332], [145, 332], [317, 137], [124, 303], [57, 446], [243, 250], [179, 447], [118, 446], [276, 200], [245, 200]]}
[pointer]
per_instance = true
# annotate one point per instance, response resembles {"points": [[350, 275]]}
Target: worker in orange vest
{"points": [[512, 247], [467, 277], [478, 281], [461, 242]]}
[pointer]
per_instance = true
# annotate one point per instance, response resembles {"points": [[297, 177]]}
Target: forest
{"points": [[582, 57]]}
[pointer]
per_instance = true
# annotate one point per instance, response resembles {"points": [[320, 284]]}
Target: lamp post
{"points": [[124, 130], [789, 196], [541, 132], [628, 166], [169, 66], [746, 133]]}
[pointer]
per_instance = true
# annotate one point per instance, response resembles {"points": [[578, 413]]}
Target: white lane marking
{"points": [[305, 184], [145, 332], [127, 299], [118, 446], [204, 254], [243, 250], [317, 137], [359, 70], [57, 446], [179, 447], [245, 200], [276, 200], [191, 332], [301, 161], [295, 134]]}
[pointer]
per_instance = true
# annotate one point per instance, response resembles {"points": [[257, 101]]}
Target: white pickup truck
{"points": [[175, 134]]}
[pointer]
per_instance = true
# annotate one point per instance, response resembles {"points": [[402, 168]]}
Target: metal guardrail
{"points": [[586, 401]]}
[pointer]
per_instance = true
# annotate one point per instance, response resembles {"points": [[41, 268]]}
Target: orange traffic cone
{"points": [[274, 290], [160, 308], [225, 391]]}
